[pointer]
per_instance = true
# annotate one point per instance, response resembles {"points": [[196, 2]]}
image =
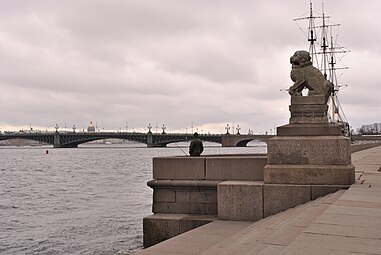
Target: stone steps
{"points": [[271, 235]]}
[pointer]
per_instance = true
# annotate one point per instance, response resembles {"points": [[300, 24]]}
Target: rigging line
{"points": [[342, 111], [337, 37], [301, 29], [341, 58]]}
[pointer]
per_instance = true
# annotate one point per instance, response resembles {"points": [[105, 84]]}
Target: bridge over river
{"points": [[73, 139]]}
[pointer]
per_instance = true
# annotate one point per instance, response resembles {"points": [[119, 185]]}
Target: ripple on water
{"points": [[77, 201]]}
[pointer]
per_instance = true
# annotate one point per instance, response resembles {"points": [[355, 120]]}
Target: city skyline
{"points": [[176, 63]]}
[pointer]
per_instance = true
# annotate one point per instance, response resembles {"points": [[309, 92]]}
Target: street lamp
{"points": [[56, 127], [227, 129]]}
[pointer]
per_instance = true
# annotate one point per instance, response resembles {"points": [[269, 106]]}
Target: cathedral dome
{"points": [[91, 127]]}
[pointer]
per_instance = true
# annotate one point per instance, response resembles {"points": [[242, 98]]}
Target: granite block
{"points": [[280, 197], [240, 200], [179, 168]]}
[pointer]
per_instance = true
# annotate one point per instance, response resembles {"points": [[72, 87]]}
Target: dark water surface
{"points": [[89, 200]]}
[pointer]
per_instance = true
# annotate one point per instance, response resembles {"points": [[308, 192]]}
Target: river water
{"points": [[88, 200]]}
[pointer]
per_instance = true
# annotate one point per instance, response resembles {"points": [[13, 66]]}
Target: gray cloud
{"points": [[171, 62]]}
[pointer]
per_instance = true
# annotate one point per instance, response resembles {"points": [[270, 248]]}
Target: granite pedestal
{"points": [[309, 150]]}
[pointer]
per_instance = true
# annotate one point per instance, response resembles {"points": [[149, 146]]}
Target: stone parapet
{"points": [[179, 168], [226, 167], [364, 146], [235, 168]]}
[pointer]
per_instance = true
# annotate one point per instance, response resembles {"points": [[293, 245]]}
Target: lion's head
{"points": [[301, 58]]}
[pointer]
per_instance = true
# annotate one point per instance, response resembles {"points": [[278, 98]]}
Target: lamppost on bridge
{"points": [[238, 129], [227, 129], [164, 128], [74, 127], [149, 128], [56, 127]]}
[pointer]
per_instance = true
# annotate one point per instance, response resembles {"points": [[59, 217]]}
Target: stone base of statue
{"points": [[309, 150], [308, 109], [309, 159]]}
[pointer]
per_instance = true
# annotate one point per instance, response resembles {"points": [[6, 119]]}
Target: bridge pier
{"points": [[56, 140], [149, 140]]}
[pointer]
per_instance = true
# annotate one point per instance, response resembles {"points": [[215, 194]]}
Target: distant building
{"points": [[91, 127]]}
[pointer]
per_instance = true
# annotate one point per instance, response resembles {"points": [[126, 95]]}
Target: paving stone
{"points": [[335, 244], [349, 231], [272, 249], [182, 248], [353, 210], [349, 220], [296, 250], [358, 203], [334, 196], [285, 236]]}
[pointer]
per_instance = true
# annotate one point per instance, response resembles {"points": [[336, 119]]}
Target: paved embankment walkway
{"points": [[345, 222]]}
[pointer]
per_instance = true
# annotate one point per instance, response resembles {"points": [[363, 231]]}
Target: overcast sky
{"points": [[173, 62]]}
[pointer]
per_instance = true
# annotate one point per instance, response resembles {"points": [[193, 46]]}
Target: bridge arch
{"points": [[39, 137], [243, 140]]}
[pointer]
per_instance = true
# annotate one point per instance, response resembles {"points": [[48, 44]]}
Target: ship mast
{"points": [[328, 51], [329, 62], [311, 36]]}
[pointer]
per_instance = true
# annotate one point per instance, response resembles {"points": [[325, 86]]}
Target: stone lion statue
{"points": [[305, 75]]}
